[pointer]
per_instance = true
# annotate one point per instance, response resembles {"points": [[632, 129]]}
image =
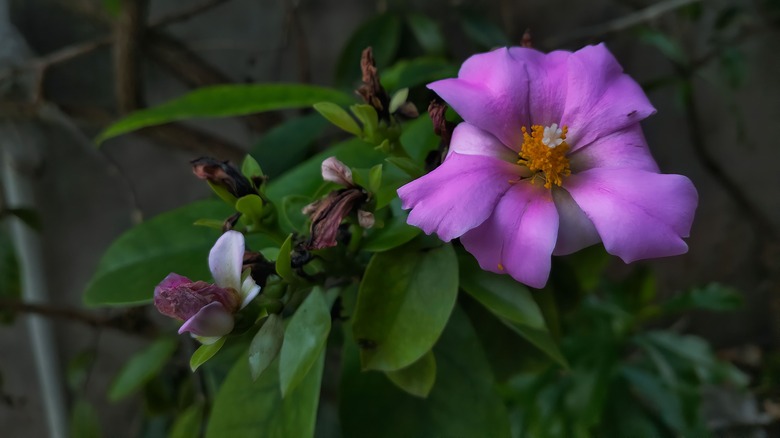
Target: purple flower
{"points": [[207, 309], [550, 159]]}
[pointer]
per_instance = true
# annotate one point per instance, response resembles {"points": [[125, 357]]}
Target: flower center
{"points": [[544, 153]]}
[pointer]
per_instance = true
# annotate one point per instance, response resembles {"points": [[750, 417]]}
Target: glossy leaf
{"points": [[265, 345], [306, 178], [382, 33], [144, 366], [251, 206], [295, 136], [511, 302], [205, 352], [395, 233], [418, 138], [398, 99], [418, 378], [141, 257], [462, 403], [304, 340], [225, 101], [283, 261], [247, 409], [250, 168], [338, 116], [404, 301]]}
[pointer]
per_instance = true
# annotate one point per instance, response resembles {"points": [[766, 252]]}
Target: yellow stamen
{"points": [[544, 153], [500, 267]]}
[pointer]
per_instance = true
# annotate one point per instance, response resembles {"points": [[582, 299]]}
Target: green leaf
{"points": [[483, 32], [409, 73], [252, 207], [398, 99], [188, 423], [304, 340], [368, 118], [247, 409], [511, 302], [284, 261], [306, 178], [225, 101], [407, 166], [419, 139], [404, 301], [395, 233], [265, 345], [84, 421], [427, 33], [141, 257], [250, 168], [339, 117], [714, 296], [295, 137], [382, 33], [654, 392], [142, 368], [375, 178], [205, 352], [291, 217], [418, 378], [462, 403]]}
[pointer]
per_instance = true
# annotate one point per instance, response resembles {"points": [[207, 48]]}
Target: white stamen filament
{"points": [[552, 136]]}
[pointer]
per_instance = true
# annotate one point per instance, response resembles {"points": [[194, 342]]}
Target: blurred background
{"points": [[69, 68]]}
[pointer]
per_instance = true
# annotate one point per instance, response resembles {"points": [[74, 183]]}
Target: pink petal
{"points": [[600, 98], [211, 320], [467, 139], [458, 195], [491, 92], [548, 79], [626, 148], [519, 236], [172, 281], [575, 230], [335, 171], [638, 214], [226, 260]]}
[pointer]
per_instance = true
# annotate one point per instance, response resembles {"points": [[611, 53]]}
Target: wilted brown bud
{"points": [[443, 128], [327, 214], [372, 91], [224, 175], [260, 267]]}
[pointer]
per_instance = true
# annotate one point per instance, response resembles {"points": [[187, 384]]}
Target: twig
{"points": [[622, 23], [186, 14], [132, 321]]}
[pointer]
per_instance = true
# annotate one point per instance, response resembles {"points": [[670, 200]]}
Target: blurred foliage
{"points": [[421, 341]]}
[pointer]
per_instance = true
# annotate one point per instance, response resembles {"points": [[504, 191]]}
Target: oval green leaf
{"points": [[304, 340], [205, 352], [404, 301], [511, 302], [462, 403], [339, 117], [265, 345], [142, 368], [247, 409], [141, 257], [225, 101], [418, 378]]}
